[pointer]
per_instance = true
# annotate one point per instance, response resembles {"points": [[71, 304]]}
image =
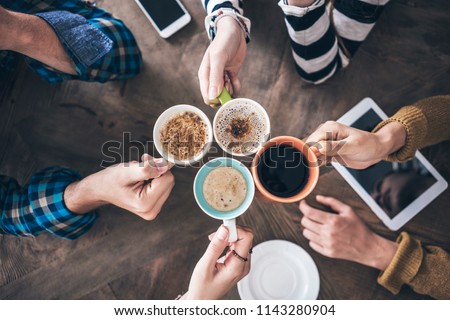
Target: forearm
{"points": [[35, 38], [382, 251], [82, 196], [391, 138]]}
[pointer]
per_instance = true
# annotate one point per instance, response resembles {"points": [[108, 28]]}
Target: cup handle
{"points": [[224, 96], [231, 225]]}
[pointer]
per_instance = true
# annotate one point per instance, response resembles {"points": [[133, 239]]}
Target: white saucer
{"points": [[281, 270]]}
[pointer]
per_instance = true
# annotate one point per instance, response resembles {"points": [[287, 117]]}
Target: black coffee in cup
{"points": [[283, 170]]}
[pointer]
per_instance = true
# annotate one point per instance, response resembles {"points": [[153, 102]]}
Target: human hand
{"points": [[344, 235], [358, 149], [213, 277], [222, 60], [126, 185]]}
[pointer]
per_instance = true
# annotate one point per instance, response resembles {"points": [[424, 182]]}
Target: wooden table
{"points": [[124, 257]]}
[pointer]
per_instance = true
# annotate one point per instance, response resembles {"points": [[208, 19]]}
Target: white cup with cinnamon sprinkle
{"points": [[183, 134]]}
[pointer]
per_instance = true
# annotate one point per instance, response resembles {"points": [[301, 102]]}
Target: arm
{"points": [[394, 139], [425, 123], [358, 149], [224, 57], [40, 206], [426, 269], [71, 42], [127, 186], [33, 37], [57, 201]]}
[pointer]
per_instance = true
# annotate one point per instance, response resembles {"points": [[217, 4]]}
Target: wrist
{"points": [[390, 138], [301, 3], [82, 196], [230, 25], [382, 253]]}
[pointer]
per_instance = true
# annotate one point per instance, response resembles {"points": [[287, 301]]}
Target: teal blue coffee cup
{"points": [[228, 217]]}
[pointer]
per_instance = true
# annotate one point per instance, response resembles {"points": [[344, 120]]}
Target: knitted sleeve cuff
{"points": [[404, 266], [416, 126]]}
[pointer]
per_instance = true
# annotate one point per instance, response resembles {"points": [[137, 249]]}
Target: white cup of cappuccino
{"points": [[241, 126]]}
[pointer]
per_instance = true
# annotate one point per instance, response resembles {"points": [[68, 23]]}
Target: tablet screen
{"points": [[392, 185]]}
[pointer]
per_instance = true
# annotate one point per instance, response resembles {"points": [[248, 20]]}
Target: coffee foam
{"points": [[224, 189], [258, 128]]}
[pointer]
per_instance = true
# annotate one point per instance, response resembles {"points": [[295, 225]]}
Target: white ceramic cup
{"points": [[168, 114], [229, 103]]}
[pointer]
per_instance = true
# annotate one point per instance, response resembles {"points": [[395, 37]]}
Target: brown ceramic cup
{"points": [[311, 163]]}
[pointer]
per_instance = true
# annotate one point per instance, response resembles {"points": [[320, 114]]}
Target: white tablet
{"points": [[394, 191]]}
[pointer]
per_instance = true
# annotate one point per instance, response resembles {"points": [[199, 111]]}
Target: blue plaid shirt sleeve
{"points": [[39, 206], [100, 46]]}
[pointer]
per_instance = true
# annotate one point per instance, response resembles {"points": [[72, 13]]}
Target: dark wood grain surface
{"points": [[406, 57]]}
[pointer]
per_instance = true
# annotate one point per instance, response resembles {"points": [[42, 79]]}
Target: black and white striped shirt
{"points": [[322, 43]]}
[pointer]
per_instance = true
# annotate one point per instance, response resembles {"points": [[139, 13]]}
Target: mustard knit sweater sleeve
{"points": [[427, 122], [426, 269]]}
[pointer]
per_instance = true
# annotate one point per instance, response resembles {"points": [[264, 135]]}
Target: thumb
{"points": [[149, 169], [330, 148], [216, 76], [215, 248]]}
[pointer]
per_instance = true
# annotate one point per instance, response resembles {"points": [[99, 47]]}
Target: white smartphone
{"points": [[167, 16]]}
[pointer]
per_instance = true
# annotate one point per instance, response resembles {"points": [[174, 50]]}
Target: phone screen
{"points": [[163, 12]]}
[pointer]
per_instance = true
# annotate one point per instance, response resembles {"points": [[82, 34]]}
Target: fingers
{"points": [[330, 148], [311, 225], [153, 196], [140, 171], [312, 236], [215, 248], [216, 74], [326, 131], [242, 247], [203, 77], [146, 157], [211, 75], [313, 214], [327, 139], [317, 247], [155, 167], [160, 185], [333, 203], [160, 202], [235, 82], [149, 168]]}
